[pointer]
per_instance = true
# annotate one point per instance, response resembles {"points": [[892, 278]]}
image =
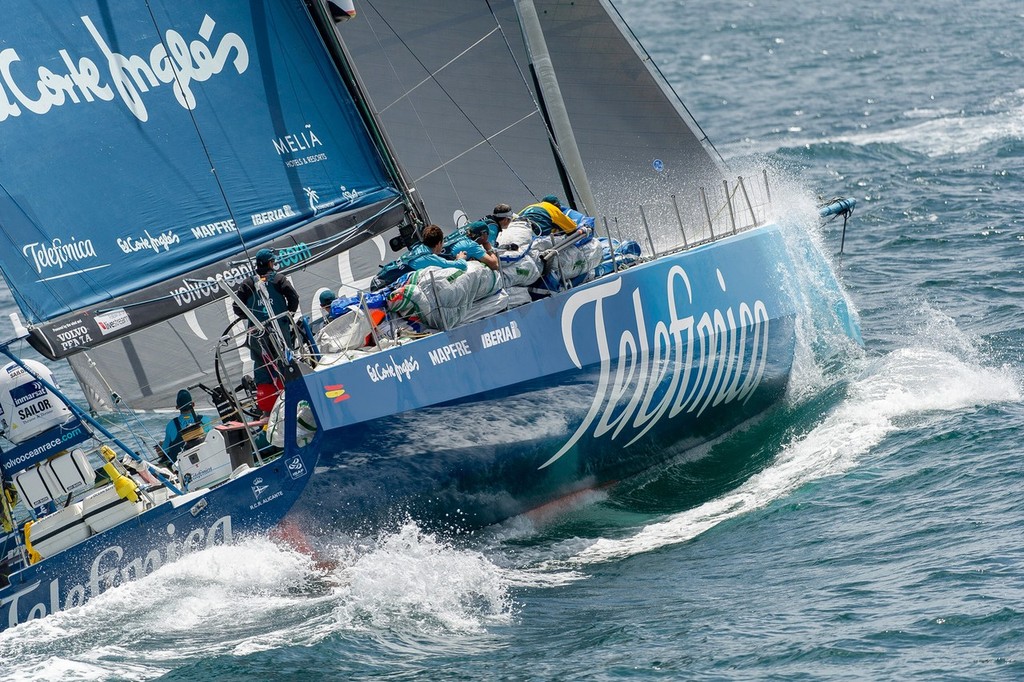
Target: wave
{"points": [[406, 590], [929, 132], [939, 372]]}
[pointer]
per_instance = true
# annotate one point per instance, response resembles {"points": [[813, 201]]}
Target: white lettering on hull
{"points": [[110, 568], [652, 375]]}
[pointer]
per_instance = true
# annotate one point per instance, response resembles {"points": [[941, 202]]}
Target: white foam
{"points": [[411, 580], [205, 604], [938, 373], [932, 132], [947, 134]]}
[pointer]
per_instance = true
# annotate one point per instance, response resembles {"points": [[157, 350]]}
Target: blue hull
{"points": [[575, 392], [249, 505]]}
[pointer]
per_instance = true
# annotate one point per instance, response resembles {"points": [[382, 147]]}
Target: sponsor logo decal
{"points": [[172, 60], [113, 320], [296, 468], [313, 198], [507, 333], [682, 364], [58, 442], [57, 254], [164, 241], [351, 195], [214, 229], [336, 392], [294, 143], [449, 351], [293, 255], [72, 334], [193, 291], [392, 369], [273, 215], [26, 392]]}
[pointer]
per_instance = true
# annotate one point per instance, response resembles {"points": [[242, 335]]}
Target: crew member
{"points": [[428, 252], [498, 220], [547, 215], [326, 299], [283, 299], [184, 424]]}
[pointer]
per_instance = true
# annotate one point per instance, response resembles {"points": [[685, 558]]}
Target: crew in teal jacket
{"points": [[428, 252], [547, 215]]}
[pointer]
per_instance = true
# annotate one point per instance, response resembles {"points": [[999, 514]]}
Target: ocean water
{"points": [[870, 528]]}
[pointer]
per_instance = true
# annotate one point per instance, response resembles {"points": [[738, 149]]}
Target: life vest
{"points": [[178, 442], [390, 272], [546, 216], [277, 302]]}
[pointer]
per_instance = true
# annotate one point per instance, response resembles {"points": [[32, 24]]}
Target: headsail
{"points": [[181, 129], [448, 82]]}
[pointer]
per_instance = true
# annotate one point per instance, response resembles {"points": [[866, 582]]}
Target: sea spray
{"points": [[413, 582]]}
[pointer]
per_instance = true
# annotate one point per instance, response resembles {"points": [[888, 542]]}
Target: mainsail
{"points": [[453, 84], [176, 134]]}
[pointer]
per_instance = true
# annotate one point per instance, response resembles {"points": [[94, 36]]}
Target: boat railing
{"points": [[661, 228], [713, 213]]}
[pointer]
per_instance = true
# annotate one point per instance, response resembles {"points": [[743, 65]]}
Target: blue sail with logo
{"points": [[146, 149], [144, 145]]}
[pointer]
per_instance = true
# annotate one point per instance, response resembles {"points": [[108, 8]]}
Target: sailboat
{"points": [[511, 100], [415, 117], [148, 149]]}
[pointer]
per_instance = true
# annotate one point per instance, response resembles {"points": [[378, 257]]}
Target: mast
{"points": [[554, 104]]}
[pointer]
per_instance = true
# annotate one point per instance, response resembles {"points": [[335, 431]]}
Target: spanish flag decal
{"points": [[337, 392]]}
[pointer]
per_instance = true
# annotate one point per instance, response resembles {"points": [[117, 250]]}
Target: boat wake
{"points": [[930, 132], [405, 589], [942, 133], [903, 389]]}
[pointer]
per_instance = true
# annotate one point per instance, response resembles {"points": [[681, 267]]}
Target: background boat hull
{"points": [[249, 505]]}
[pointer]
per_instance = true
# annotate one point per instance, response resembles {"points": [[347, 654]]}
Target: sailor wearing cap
{"points": [[182, 425], [326, 298], [498, 220], [283, 298]]}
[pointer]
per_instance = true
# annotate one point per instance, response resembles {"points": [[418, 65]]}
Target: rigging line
{"points": [[444, 66], [340, 237], [199, 134], [452, 99], [415, 109], [481, 142], [650, 60]]}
